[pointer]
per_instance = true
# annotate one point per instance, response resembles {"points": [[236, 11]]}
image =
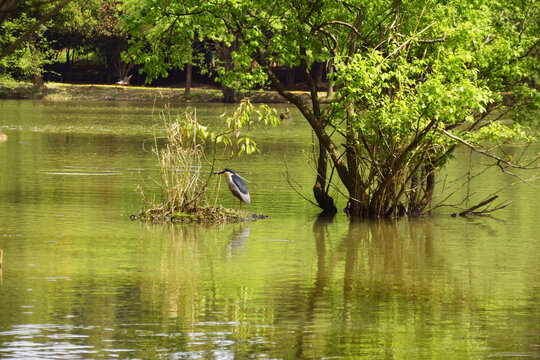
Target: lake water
{"points": [[80, 280]]}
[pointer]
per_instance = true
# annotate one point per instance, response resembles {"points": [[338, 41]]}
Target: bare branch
{"points": [[331, 37], [433, 41], [406, 43], [472, 209], [341, 23], [485, 153], [296, 185]]}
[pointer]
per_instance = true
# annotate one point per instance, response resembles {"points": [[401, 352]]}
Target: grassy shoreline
{"points": [[95, 92]]}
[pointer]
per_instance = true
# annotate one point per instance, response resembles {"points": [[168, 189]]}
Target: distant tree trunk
{"points": [[121, 69], [69, 62], [226, 57], [37, 80], [111, 68], [289, 78], [318, 75], [228, 94], [189, 72], [330, 86]]}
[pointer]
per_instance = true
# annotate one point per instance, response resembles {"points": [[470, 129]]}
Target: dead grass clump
{"points": [[182, 187]]}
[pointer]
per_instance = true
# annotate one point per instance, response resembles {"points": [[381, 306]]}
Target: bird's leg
{"points": [[233, 202]]}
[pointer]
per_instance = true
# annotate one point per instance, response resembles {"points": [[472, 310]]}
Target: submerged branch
{"points": [[472, 209]]}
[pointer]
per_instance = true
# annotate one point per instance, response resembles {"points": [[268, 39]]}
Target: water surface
{"points": [[82, 281]]}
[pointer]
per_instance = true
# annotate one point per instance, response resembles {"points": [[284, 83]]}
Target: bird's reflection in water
{"points": [[237, 240]]}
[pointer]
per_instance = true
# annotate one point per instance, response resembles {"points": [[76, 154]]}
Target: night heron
{"points": [[236, 185]]}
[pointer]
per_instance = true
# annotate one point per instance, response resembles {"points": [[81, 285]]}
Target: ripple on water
{"points": [[45, 341]]}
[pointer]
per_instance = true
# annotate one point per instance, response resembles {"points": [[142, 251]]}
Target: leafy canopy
{"points": [[414, 79]]}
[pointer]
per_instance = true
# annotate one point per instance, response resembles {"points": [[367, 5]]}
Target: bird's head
{"points": [[226, 170]]}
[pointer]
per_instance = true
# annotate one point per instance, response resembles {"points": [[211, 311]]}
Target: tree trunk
{"points": [[111, 76], [289, 78], [428, 192], [66, 78], [330, 86], [189, 72], [325, 201], [358, 206], [37, 80], [325, 142], [413, 194], [228, 94], [225, 56], [318, 75], [69, 61]]}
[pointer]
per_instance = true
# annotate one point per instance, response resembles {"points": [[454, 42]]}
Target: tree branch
{"points": [[483, 203], [485, 153], [406, 43], [433, 41]]}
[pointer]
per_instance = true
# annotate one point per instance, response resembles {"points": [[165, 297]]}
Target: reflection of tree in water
{"points": [[197, 302], [180, 268], [381, 289], [316, 293], [374, 280]]}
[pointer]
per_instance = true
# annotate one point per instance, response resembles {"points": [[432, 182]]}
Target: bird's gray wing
{"points": [[240, 184]]}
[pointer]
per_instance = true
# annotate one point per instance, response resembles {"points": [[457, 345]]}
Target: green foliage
{"points": [[87, 26], [74, 25], [29, 58], [236, 137], [414, 79], [161, 39]]}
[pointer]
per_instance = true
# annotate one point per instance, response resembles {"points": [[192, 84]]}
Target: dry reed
{"points": [[182, 187]]}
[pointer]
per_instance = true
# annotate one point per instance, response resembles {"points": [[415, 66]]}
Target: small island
{"points": [[209, 214], [187, 171]]}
